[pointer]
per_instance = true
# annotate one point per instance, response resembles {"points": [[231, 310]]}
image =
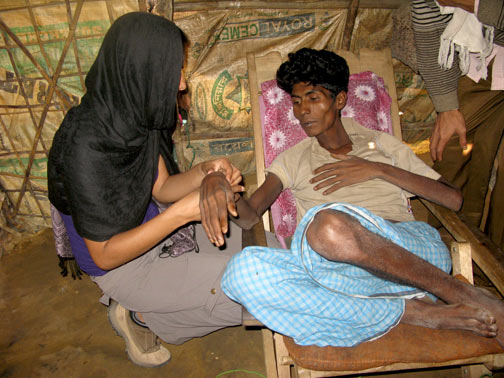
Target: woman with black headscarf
{"points": [[109, 159]]}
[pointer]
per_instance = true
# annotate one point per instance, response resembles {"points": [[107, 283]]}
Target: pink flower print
{"points": [[382, 120], [365, 93], [288, 220], [290, 116], [277, 139], [274, 95], [348, 112]]}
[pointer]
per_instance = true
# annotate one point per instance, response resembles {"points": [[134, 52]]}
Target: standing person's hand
{"points": [[467, 5], [447, 123], [232, 174], [217, 200]]}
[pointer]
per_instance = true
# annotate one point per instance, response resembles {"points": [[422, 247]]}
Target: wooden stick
{"points": [[188, 6], [30, 57], [88, 36], [76, 52], [21, 89], [8, 174], [37, 35], [349, 25], [52, 88]]}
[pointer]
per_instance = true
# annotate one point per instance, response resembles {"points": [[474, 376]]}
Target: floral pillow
{"points": [[368, 103]]}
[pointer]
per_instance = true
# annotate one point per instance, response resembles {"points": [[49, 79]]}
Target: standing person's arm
{"points": [[489, 12], [441, 84]]}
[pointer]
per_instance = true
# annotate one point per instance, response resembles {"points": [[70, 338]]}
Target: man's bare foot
{"points": [[455, 316], [484, 299]]}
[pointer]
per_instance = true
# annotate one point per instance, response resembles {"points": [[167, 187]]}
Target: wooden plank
{"points": [[269, 353], [188, 6], [335, 4], [461, 254], [485, 254], [283, 360], [258, 73]]}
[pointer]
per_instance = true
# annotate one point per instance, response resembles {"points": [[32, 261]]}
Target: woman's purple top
{"points": [[79, 249]]}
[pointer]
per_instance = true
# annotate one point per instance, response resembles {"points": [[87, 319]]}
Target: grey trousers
{"points": [[180, 298]]}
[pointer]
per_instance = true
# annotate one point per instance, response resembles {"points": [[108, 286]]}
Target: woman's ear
{"points": [[341, 99]]}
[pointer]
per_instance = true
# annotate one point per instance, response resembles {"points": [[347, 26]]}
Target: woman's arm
{"points": [[128, 245], [182, 191], [352, 170], [168, 189]]}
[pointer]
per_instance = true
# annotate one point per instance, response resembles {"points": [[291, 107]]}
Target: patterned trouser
{"points": [[299, 293]]}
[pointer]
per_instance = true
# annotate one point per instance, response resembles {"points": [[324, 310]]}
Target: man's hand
{"points": [[232, 174], [447, 124], [350, 170], [467, 5], [217, 200]]}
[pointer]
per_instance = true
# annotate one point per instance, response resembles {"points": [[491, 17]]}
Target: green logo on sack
{"points": [[229, 95]]}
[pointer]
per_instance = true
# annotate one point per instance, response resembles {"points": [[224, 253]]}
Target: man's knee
{"points": [[332, 234]]}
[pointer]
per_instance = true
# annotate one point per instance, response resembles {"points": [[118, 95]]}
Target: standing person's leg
{"points": [[495, 221], [340, 237], [483, 111]]}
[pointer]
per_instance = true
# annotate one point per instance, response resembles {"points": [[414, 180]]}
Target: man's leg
{"points": [[340, 237]]}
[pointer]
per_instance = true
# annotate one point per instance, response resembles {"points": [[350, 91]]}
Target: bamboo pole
{"points": [[52, 87], [19, 80], [78, 38], [188, 6], [76, 52], [349, 25], [9, 174], [37, 35], [30, 57]]}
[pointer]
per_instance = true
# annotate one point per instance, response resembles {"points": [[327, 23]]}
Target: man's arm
{"points": [[353, 170], [217, 201]]}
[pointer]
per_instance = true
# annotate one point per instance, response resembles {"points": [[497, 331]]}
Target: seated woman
{"points": [[359, 263], [108, 162]]}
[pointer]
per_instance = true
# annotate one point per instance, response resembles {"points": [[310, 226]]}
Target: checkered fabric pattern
{"points": [[300, 294]]}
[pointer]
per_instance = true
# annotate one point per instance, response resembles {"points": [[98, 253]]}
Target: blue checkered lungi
{"points": [[299, 293]]}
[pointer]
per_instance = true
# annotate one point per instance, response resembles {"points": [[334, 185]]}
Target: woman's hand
{"points": [[188, 207], [348, 171], [217, 200], [232, 174]]}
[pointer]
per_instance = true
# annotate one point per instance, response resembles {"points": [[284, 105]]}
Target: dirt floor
{"points": [[55, 327]]}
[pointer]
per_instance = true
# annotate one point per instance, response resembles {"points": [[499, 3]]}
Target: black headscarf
{"points": [[103, 160]]}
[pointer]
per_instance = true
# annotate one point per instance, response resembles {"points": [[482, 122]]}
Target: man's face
{"points": [[315, 108]]}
